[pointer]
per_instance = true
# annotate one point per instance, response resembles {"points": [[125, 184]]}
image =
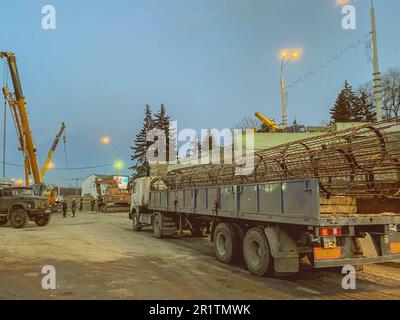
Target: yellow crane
{"points": [[53, 148], [10, 98], [19, 113], [17, 103], [271, 125]]}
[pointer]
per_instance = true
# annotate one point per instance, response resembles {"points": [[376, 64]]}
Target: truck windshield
{"points": [[22, 192]]}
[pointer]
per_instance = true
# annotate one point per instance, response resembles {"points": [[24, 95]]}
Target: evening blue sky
{"points": [[211, 62]]}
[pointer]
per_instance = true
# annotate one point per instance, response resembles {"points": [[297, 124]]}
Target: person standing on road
{"points": [[99, 203], [73, 207], [64, 208], [80, 204], [92, 204]]}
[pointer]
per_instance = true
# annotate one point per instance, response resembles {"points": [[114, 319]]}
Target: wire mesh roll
{"points": [[363, 161]]}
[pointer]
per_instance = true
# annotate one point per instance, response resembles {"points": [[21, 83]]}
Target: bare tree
{"points": [[390, 92], [248, 123]]}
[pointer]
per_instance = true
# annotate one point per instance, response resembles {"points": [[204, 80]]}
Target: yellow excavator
{"points": [[17, 104]]}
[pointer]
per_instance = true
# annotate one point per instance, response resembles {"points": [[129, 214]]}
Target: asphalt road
{"points": [[98, 256]]}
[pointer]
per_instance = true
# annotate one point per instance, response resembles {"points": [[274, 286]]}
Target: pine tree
{"points": [[208, 143], [162, 122], [344, 108], [141, 166], [194, 148], [366, 106]]}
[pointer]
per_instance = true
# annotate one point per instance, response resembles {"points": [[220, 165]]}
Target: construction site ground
{"points": [[98, 256]]}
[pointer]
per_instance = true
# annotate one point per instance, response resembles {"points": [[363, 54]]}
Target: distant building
{"points": [[89, 185]]}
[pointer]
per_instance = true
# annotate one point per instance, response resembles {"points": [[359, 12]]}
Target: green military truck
{"points": [[19, 205]]}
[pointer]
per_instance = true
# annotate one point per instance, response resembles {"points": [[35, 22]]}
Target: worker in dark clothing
{"points": [[73, 207], [64, 208], [92, 204], [80, 204], [99, 203]]}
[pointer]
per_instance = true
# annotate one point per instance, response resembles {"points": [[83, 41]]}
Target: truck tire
{"points": [[135, 222], [226, 243], [19, 218], [157, 225], [256, 252], [42, 221], [240, 236]]}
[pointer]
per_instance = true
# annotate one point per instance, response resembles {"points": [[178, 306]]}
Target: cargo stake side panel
{"points": [[292, 202]]}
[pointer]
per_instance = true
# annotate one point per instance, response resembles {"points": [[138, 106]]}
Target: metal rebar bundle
{"points": [[363, 161]]}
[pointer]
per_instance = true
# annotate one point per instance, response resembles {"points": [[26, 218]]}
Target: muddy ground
{"points": [[98, 256]]}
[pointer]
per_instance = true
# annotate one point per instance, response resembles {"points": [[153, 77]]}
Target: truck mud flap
{"points": [[283, 250]]}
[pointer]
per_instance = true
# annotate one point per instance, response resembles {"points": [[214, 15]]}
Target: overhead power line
{"points": [[64, 169]]}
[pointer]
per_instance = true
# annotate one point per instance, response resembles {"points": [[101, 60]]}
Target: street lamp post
{"points": [[286, 56], [377, 74]]}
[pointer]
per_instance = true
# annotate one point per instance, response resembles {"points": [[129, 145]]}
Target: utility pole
{"points": [[76, 185], [286, 57], [117, 165], [377, 74], [283, 97], [4, 137], [58, 186]]}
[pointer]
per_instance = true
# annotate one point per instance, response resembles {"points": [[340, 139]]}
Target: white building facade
{"points": [[89, 185]]}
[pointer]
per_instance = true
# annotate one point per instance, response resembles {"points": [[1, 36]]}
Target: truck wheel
{"points": [[42, 221], [135, 222], [157, 226], [225, 243], [256, 252], [19, 218], [240, 237]]}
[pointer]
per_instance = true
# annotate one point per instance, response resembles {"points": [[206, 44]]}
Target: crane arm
{"points": [[13, 106], [18, 126], [268, 122], [52, 150], [23, 115]]}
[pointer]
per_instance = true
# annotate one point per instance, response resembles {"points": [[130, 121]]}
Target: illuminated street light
{"points": [[342, 2], [105, 140], [286, 56], [119, 165], [295, 54], [51, 165]]}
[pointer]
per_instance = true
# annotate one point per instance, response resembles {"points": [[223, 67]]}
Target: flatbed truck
{"points": [[271, 226]]}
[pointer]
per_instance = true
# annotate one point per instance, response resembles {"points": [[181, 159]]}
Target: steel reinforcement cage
{"points": [[363, 161]]}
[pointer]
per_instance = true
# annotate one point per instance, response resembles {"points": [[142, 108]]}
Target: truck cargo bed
{"points": [[290, 202], [359, 219]]}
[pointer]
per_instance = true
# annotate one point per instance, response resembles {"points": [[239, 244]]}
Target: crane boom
{"points": [[23, 116], [268, 122], [52, 150], [10, 98]]}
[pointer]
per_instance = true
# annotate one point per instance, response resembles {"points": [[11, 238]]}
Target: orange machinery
{"points": [[114, 197]]}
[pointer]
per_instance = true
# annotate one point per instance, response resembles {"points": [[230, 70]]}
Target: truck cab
{"points": [[19, 205]]}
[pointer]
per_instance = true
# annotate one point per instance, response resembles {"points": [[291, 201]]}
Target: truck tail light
{"points": [[395, 247], [328, 232], [327, 254]]}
